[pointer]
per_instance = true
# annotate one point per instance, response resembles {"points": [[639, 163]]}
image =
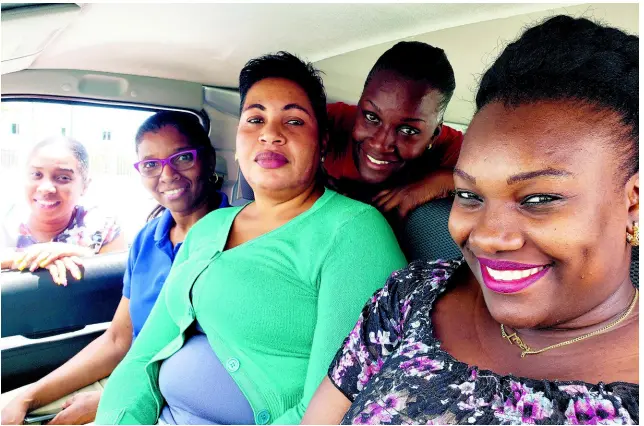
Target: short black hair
{"points": [[287, 66], [77, 149], [418, 61], [191, 128], [572, 59]]}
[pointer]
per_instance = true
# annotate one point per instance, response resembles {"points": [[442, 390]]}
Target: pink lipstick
{"points": [[510, 277], [270, 160]]}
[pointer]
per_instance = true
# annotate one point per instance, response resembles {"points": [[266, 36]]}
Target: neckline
{"points": [[446, 286], [327, 195]]}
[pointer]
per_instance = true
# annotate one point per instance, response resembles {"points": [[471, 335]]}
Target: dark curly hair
{"points": [[569, 59], [190, 127], [419, 61], [287, 66]]}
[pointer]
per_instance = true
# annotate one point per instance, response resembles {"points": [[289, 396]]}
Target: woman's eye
{"points": [[36, 175], [64, 178], [408, 131], [467, 197], [254, 120], [295, 122], [371, 117], [539, 199], [150, 164]]}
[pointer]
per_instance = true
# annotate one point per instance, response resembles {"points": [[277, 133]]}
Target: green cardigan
{"points": [[275, 309]]}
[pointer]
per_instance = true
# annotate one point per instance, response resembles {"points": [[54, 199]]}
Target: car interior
{"points": [[148, 57]]}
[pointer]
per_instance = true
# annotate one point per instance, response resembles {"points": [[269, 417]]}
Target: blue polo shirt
{"points": [[148, 265]]}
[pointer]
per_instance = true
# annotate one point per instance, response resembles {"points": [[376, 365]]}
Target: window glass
{"points": [[107, 133]]}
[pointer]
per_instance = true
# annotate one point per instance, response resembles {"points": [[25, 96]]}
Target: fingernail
{"points": [[22, 265], [42, 264]]}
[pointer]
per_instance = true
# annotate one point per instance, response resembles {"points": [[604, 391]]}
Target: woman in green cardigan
{"points": [[259, 296]]}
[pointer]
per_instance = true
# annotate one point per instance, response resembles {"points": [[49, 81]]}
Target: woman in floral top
{"points": [[538, 323], [57, 231]]}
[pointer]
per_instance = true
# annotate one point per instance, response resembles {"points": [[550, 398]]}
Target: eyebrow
{"points": [[60, 169], [531, 175], [404, 120], [519, 177], [296, 106], [258, 106]]}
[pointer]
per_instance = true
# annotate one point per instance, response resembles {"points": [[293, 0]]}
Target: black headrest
{"points": [[244, 188]]}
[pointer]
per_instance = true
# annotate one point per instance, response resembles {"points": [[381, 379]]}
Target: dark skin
{"points": [[397, 120], [574, 219], [576, 222], [277, 117]]}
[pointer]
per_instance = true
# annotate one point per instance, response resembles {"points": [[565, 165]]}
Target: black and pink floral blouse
{"points": [[392, 369]]}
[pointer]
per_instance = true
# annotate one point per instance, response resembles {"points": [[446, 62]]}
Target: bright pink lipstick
{"points": [[510, 277], [270, 160]]}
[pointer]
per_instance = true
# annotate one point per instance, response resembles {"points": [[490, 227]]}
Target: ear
{"points": [[437, 131], [86, 185], [323, 144], [633, 199]]}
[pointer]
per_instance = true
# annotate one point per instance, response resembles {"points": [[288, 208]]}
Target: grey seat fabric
{"points": [[426, 236], [242, 193]]}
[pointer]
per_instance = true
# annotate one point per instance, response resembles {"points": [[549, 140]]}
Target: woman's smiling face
{"points": [[541, 210]]}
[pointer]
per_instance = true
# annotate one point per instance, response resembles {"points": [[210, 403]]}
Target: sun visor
{"points": [[27, 30]]}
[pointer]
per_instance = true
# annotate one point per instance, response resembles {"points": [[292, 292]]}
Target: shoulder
{"points": [[449, 135], [94, 218], [144, 237], [422, 277], [342, 211]]}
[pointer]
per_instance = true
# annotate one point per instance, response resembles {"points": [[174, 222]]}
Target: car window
{"points": [[107, 133]]}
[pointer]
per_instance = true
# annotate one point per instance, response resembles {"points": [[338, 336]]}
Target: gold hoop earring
{"points": [[634, 238], [236, 157]]}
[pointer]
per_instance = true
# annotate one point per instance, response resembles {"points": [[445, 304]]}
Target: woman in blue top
{"points": [[177, 167]]}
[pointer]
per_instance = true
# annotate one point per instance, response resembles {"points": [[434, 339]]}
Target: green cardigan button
{"points": [[232, 365], [263, 417]]}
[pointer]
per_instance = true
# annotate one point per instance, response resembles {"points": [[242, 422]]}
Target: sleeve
{"points": [[363, 254], [127, 276], [450, 142], [374, 337], [131, 396]]}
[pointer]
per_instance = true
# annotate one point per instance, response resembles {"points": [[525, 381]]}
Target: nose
{"points": [[384, 140], [46, 186], [168, 174], [272, 133], [496, 231]]}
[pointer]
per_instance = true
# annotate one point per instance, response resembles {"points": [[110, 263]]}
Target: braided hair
{"points": [[577, 60]]}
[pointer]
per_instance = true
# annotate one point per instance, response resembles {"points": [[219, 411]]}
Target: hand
{"points": [[58, 258], [80, 409], [14, 412], [406, 198]]}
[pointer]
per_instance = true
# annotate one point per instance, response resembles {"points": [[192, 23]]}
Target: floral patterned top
{"points": [[90, 228], [392, 369]]}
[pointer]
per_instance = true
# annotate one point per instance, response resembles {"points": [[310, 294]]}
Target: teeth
{"points": [[174, 191], [513, 275], [47, 203], [373, 160]]}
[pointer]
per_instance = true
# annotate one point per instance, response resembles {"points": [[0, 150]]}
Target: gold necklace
{"points": [[514, 339]]}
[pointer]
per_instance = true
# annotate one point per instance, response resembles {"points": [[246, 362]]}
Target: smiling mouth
{"points": [[174, 191], [47, 204], [513, 275], [378, 162]]}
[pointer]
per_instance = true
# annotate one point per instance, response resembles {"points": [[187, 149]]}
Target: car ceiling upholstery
{"points": [[209, 43]]}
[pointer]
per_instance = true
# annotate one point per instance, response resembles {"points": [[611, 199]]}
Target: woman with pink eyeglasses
{"points": [[177, 167]]}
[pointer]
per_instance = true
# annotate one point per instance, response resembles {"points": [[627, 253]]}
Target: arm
{"points": [[362, 255], [91, 364], [117, 244], [437, 184], [327, 406], [376, 335], [130, 397]]}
